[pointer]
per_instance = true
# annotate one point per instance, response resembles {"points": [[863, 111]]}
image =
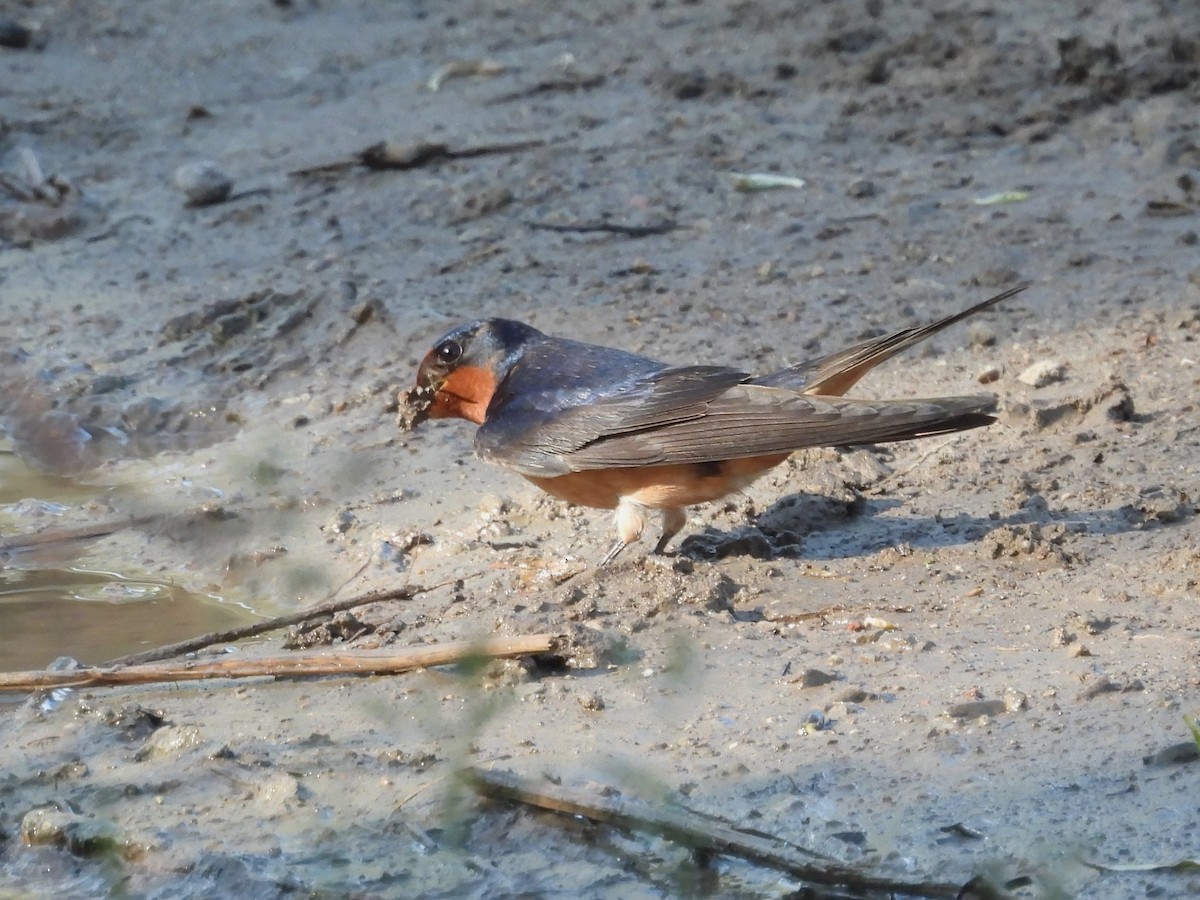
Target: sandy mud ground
{"points": [[935, 661]]}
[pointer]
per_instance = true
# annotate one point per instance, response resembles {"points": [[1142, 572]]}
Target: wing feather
{"points": [[702, 414]]}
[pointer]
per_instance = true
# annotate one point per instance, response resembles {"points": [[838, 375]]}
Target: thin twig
{"points": [[191, 645], [293, 665], [633, 231], [695, 831]]}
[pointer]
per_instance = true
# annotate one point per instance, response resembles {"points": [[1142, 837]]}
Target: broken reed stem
{"points": [[695, 831], [291, 665]]}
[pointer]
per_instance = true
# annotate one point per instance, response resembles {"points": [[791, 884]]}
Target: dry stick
{"points": [[392, 155], [692, 830], [191, 645], [362, 662]]}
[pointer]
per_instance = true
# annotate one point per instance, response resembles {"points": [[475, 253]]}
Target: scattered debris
{"points": [[592, 701], [751, 182], [1162, 505], [1001, 197], [1041, 542], [321, 632], [37, 207], [464, 68], [78, 834], [1042, 373]]}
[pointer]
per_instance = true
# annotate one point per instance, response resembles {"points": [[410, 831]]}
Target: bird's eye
{"points": [[448, 352]]}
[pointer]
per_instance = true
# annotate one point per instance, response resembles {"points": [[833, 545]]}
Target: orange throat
{"points": [[465, 394]]}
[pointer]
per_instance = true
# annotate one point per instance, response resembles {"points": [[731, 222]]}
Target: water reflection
{"points": [[56, 601], [95, 616]]}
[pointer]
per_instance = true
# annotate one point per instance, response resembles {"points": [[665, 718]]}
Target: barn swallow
{"points": [[610, 429]]}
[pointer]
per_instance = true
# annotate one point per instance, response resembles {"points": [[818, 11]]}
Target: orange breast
{"points": [[659, 487]]}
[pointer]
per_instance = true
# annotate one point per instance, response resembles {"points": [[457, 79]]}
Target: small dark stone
{"points": [[855, 40], [861, 188], [14, 35], [106, 384], [815, 678], [230, 326], [855, 838]]}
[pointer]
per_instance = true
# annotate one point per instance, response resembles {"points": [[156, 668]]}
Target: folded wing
{"points": [[698, 414]]}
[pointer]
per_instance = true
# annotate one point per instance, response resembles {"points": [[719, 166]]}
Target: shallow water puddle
{"points": [[95, 616], [59, 600], [18, 483]]}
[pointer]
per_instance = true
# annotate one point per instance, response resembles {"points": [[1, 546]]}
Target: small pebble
{"points": [[203, 182], [861, 189], [1042, 373], [493, 505], [988, 375], [1015, 701]]}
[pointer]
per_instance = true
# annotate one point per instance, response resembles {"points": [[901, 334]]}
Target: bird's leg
{"points": [[673, 519], [612, 554], [631, 521]]}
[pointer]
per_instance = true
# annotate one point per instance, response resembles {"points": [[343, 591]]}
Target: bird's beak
{"points": [[426, 379]]}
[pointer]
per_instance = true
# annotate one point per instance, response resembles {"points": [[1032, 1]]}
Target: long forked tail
{"points": [[836, 373], [884, 422]]}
